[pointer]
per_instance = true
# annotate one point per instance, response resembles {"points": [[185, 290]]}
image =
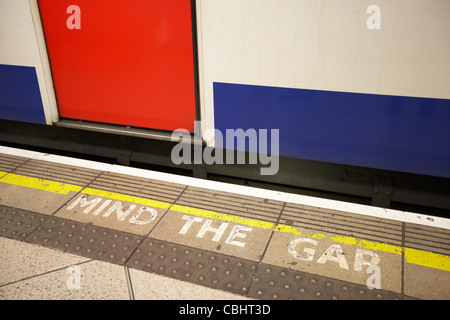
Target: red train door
{"points": [[127, 62]]}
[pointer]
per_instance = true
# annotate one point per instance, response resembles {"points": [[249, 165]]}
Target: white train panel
{"points": [[326, 45], [353, 81], [26, 86]]}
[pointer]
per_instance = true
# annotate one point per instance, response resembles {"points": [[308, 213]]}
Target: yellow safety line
{"points": [[427, 259], [221, 216], [376, 246], [287, 229], [127, 198], [41, 184], [414, 256]]}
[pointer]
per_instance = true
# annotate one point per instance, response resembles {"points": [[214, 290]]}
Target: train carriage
{"points": [[359, 90]]}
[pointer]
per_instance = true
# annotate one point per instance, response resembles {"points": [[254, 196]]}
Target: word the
{"points": [[236, 231], [148, 214], [257, 146]]}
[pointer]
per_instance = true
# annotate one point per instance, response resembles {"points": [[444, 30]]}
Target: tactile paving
{"points": [[218, 271], [272, 282], [198, 266], [18, 224], [57, 172], [85, 240], [136, 186], [229, 203], [9, 163], [332, 221], [427, 238]]}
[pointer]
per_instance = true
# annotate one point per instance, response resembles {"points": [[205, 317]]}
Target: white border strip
{"points": [[19, 152], [389, 214]]}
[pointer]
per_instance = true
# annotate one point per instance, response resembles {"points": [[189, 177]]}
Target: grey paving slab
{"points": [[193, 265], [20, 260], [93, 280], [150, 286]]}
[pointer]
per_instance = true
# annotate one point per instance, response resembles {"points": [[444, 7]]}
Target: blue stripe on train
{"points": [[20, 98], [397, 133]]}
